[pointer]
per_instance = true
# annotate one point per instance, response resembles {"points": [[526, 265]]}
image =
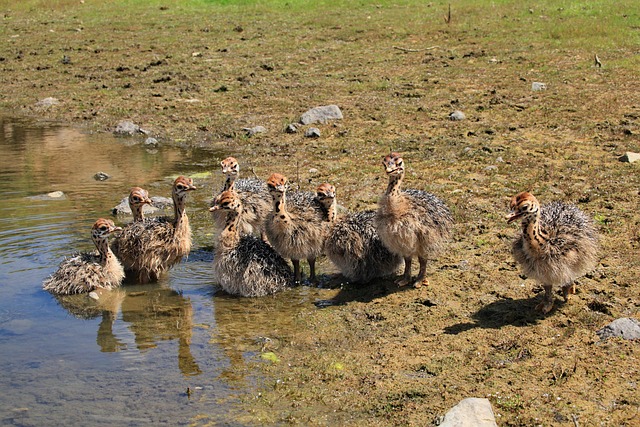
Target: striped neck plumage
{"points": [[395, 182], [533, 232]]}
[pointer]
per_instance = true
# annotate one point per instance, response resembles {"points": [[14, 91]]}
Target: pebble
{"points": [[625, 327], [291, 128], [312, 133], [254, 130], [152, 142], [538, 86], [54, 195], [457, 115], [629, 157], [127, 128], [470, 412], [101, 176], [321, 114], [47, 103]]}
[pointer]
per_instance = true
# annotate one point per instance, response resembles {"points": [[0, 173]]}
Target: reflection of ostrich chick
{"points": [[297, 227], [245, 265], [159, 243], [86, 272], [411, 222], [558, 244], [161, 314], [256, 202]]}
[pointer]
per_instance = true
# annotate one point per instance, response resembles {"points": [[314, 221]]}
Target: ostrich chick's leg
{"points": [[568, 290], [312, 269], [406, 276], [421, 279], [296, 271], [547, 303]]}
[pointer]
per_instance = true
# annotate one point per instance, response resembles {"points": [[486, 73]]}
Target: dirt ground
{"points": [[378, 354]]}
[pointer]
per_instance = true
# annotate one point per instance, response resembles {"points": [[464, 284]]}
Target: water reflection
{"points": [[153, 313], [128, 357]]}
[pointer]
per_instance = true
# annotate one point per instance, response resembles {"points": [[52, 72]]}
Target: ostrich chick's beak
{"points": [[213, 208], [512, 216]]}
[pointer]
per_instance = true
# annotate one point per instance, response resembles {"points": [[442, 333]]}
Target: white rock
{"points": [[321, 114], [626, 327], [457, 115], [470, 412], [538, 86], [629, 157]]}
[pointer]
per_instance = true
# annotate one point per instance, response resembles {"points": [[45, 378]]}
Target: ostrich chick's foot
{"points": [[568, 290]]}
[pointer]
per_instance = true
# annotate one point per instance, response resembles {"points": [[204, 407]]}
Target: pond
{"points": [[129, 358]]}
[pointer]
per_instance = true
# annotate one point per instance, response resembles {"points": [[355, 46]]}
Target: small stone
{"points": [[94, 295], [101, 176], [625, 327], [47, 103], [157, 203], [66, 60], [127, 128], [291, 128], [312, 133], [457, 115], [500, 159], [629, 157], [151, 142], [470, 412], [196, 54], [254, 130], [321, 114], [54, 195], [491, 168], [538, 86], [313, 171]]}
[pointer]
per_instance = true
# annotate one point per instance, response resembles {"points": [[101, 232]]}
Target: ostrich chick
{"points": [[126, 246], [246, 265], [254, 196], [87, 272], [157, 244], [558, 244], [411, 222], [296, 227]]}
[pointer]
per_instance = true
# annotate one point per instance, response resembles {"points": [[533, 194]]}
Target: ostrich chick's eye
{"points": [[103, 228]]}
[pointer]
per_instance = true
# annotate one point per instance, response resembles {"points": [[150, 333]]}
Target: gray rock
{"points": [[158, 203], [46, 103], [470, 412], [625, 327], [101, 176], [254, 130], [312, 133], [127, 128], [321, 114], [292, 128], [151, 142], [457, 115], [54, 195], [629, 157], [535, 86]]}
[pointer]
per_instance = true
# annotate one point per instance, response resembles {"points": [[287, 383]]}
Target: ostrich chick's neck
{"points": [[534, 234]]}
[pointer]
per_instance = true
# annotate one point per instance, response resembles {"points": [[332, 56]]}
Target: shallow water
{"points": [[129, 358]]}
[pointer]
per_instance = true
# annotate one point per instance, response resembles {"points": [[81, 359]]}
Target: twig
{"points": [[575, 420], [447, 18], [596, 61], [404, 49]]}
